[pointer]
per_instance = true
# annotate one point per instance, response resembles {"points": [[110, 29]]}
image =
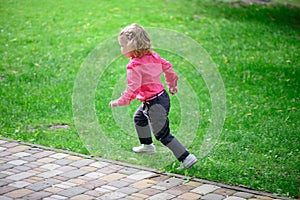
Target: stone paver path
{"points": [[34, 172]]}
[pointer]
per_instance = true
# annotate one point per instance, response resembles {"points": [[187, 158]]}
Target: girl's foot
{"points": [[189, 161], [145, 149]]}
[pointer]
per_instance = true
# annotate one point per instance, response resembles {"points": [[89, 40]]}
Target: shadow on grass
{"points": [[270, 14]]}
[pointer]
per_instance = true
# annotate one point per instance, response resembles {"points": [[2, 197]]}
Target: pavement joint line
{"points": [[157, 172]]}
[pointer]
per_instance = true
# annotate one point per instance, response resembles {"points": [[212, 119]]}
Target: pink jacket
{"points": [[143, 78]]}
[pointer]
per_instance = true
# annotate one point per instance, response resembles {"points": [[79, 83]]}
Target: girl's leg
{"points": [[158, 114], [142, 126]]}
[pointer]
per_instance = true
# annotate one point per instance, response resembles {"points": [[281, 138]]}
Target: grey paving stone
{"points": [[61, 178], [102, 191], [64, 185], [53, 180], [112, 195], [171, 182], [2, 142], [50, 166], [82, 197], [81, 163], [72, 191], [118, 184], [158, 177], [10, 144], [63, 162], [9, 158], [141, 175], [36, 164], [29, 158], [13, 171], [93, 193], [213, 197], [6, 189], [42, 154], [74, 173], [107, 187], [55, 197], [205, 189], [39, 185], [116, 167], [5, 153], [21, 154], [150, 191], [7, 172], [31, 165], [94, 184], [159, 187], [22, 168], [50, 174], [33, 150], [224, 191], [174, 191], [107, 170], [5, 166], [128, 171], [5, 181], [19, 184], [234, 198], [99, 164], [66, 168], [162, 196], [20, 176], [3, 175], [59, 155], [243, 195], [127, 190], [179, 189], [5, 198], [94, 175], [128, 180], [2, 148], [17, 162], [37, 195]]}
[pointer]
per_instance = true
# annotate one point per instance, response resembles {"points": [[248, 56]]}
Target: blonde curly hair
{"points": [[137, 40]]}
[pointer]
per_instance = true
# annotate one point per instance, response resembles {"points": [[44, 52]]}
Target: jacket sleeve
{"points": [[170, 75], [133, 86]]}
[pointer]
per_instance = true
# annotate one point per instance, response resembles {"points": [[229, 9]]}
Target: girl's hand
{"points": [[113, 103], [173, 90]]}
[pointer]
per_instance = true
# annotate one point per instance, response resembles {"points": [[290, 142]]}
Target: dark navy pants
{"points": [[156, 112]]}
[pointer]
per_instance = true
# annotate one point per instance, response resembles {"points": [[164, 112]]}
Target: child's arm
{"points": [[133, 84], [171, 76]]}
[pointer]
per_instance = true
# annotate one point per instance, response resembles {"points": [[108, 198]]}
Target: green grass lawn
{"points": [[256, 49]]}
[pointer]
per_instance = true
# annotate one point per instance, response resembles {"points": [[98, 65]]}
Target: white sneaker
{"points": [[145, 149], [189, 161]]}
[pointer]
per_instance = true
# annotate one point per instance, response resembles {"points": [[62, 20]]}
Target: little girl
{"points": [[143, 83]]}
